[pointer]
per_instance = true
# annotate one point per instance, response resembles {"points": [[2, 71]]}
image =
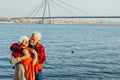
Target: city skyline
{"points": [[23, 8]]}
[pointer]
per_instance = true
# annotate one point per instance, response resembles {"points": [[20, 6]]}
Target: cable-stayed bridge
{"points": [[74, 17], [59, 9]]}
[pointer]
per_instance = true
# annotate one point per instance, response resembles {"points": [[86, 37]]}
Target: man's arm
{"points": [[41, 55], [16, 48], [15, 60]]}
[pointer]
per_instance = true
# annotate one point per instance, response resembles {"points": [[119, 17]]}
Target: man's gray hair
{"points": [[20, 41], [38, 34]]}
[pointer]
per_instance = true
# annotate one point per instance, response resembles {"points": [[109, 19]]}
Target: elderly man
{"points": [[34, 44], [24, 62]]}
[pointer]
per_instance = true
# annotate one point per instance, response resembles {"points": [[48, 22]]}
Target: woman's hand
{"points": [[27, 54]]}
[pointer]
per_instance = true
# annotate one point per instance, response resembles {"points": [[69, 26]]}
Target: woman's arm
{"points": [[14, 60]]}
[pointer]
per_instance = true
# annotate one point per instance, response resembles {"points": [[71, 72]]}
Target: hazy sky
{"points": [[23, 8]]}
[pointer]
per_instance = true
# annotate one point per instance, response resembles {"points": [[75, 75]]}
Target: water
{"points": [[74, 52]]}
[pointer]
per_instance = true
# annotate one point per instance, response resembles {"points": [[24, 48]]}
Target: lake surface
{"points": [[74, 52]]}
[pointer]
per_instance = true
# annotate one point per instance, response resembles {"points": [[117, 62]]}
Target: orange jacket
{"points": [[28, 64]]}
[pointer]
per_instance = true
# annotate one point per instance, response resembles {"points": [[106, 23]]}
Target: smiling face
{"points": [[34, 39], [24, 43]]}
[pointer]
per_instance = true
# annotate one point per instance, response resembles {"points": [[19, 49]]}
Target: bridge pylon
{"points": [[47, 5]]}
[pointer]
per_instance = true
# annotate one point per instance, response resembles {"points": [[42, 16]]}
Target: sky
{"points": [[24, 8]]}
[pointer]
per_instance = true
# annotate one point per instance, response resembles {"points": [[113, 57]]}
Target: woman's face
{"points": [[24, 43]]}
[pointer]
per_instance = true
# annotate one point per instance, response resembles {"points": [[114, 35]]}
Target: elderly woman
{"points": [[24, 60]]}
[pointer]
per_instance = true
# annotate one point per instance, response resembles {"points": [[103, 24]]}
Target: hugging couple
{"points": [[27, 56]]}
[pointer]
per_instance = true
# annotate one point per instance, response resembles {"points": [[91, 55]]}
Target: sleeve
{"points": [[41, 55], [16, 48], [14, 60]]}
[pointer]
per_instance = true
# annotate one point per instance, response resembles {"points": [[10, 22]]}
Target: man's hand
{"points": [[34, 52]]}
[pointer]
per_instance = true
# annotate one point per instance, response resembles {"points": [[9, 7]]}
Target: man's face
{"points": [[33, 40]]}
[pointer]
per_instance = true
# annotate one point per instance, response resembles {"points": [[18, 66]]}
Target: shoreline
{"points": [[60, 21]]}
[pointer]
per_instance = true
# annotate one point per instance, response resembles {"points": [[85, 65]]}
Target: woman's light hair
{"points": [[38, 34], [20, 41]]}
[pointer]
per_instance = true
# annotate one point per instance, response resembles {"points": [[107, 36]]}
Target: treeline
{"points": [[19, 20]]}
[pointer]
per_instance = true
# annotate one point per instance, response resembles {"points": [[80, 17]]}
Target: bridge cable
{"points": [[74, 7], [37, 9], [62, 6], [55, 8]]}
